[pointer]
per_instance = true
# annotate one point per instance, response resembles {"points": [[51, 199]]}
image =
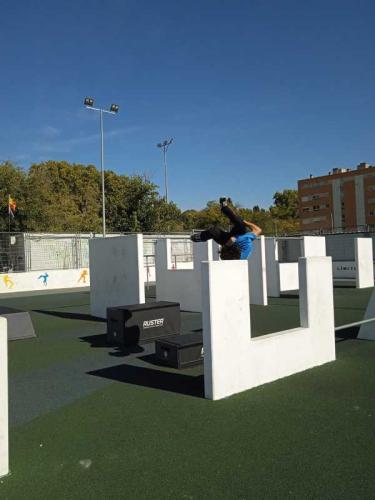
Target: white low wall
{"points": [[117, 273], [364, 262], [44, 280], [283, 276], [184, 285], [181, 285], [361, 269], [235, 362], [4, 433], [257, 273], [344, 269], [367, 330], [288, 273]]}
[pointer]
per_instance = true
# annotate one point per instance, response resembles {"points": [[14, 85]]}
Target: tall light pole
{"points": [[89, 103], [165, 145]]}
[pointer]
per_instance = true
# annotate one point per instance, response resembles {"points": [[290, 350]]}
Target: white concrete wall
{"points": [[367, 330], [235, 362], [257, 273], [117, 273], [344, 269], [313, 246], [364, 262], [272, 267], [288, 273], [283, 276], [4, 432], [32, 280], [182, 285]]}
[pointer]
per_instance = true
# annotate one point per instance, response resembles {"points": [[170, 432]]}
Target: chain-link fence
{"points": [[36, 251]]}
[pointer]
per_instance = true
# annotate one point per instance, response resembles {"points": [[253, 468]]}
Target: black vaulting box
{"points": [[180, 351], [140, 323]]}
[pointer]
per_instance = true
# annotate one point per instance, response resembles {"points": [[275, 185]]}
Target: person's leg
{"points": [[213, 233], [238, 224]]}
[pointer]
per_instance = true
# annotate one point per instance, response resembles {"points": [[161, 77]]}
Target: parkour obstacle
{"points": [[4, 439]]}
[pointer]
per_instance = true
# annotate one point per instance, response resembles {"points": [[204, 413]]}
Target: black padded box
{"points": [[180, 351], [141, 323]]}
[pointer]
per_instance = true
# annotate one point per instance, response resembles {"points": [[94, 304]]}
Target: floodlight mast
{"points": [[165, 145], [88, 102]]}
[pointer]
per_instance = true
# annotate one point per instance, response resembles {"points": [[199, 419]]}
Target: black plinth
{"points": [[140, 323], [180, 351]]}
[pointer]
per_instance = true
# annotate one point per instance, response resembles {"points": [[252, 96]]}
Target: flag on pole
{"points": [[12, 205]]}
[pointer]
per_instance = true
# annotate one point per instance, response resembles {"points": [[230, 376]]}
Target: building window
{"points": [[371, 213], [306, 209], [316, 208]]}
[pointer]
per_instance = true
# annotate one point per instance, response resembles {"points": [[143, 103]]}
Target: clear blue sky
{"points": [[255, 94]]}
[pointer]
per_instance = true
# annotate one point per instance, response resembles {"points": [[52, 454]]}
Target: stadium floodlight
{"points": [[165, 145], [114, 108], [89, 102]]}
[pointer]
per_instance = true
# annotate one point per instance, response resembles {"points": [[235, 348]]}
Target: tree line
{"points": [[57, 196]]}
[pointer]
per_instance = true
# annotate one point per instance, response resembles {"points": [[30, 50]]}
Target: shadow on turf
{"points": [[156, 379], [67, 315], [347, 334], [100, 341]]}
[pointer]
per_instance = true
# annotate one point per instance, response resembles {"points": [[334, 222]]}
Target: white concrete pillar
{"points": [[4, 430], [272, 267], [258, 273], [235, 362], [364, 274], [313, 246], [117, 274], [182, 285]]}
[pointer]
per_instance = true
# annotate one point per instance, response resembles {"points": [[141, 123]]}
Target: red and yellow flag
{"points": [[12, 205]]}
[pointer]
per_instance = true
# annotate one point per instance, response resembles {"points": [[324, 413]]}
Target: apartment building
{"points": [[342, 200]]}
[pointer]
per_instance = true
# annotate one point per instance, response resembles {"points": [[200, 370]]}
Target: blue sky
{"points": [[255, 94]]}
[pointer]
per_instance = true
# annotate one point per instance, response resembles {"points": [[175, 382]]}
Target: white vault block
{"points": [[367, 330], [364, 274], [184, 285], [117, 275], [257, 273], [4, 432], [283, 276], [235, 362]]}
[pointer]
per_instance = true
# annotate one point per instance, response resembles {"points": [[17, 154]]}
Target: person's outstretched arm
{"points": [[254, 228]]}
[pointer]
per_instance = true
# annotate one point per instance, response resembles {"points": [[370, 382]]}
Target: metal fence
{"points": [[36, 251]]}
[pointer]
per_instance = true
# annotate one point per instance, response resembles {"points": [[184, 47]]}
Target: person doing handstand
{"points": [[238, 242]]}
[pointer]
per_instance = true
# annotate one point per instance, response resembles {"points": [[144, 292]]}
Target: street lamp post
{"points": [[89, 103], [165, 145]]}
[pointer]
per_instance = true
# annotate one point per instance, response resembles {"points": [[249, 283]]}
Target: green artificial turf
{"points": [[116, 426]]}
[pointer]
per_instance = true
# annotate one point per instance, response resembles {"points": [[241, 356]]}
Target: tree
{"points": [[285, 204], [12, 182]]}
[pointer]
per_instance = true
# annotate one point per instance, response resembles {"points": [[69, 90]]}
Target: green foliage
{"points": [[286, 204], [57, 196]]}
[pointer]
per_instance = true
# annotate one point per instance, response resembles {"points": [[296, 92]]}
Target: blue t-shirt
{"points": [[245, 242]]}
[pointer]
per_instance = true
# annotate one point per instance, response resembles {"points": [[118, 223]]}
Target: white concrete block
{"points": [[4, 426], [364, 262], [182, 285], [288, 275], [367, 330], [272, 267], [283, 276], [313, 246], [257, 273], [235, 362], [117, 273]]}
